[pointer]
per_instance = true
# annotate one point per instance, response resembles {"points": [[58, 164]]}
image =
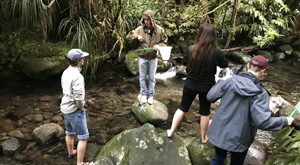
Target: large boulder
{"points": [[155, 114], [43, 60], [145, 146]]}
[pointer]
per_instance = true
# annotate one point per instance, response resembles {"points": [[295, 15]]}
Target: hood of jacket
{"points": [[246, 84], [150, 14]]}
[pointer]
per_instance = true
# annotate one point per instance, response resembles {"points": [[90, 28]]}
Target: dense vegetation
{"points": [[100, 26]]}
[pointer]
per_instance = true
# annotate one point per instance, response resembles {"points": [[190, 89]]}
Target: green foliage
{"points": [[286, 147], [261, 20], [28, 14], [100, 26]]}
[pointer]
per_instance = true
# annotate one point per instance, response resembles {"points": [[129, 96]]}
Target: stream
{"points": [[26, 104]]}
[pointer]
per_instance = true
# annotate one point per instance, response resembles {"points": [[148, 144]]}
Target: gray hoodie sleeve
{"points": [[261, 114], [216, 91]]}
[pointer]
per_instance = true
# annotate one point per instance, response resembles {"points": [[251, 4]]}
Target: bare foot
{"points": [[73, 154], [169, 133], [204, 139]]}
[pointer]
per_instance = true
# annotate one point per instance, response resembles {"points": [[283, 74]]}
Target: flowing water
{"points": [[114, 91]]}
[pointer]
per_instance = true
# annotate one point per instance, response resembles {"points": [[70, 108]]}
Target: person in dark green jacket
{"points": [[243, 109]]}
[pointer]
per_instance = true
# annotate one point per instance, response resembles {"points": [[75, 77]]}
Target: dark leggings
{"points": [[188, 96], [237, 158]]}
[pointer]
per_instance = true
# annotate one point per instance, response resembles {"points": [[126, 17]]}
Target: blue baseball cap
{"points": [[76, 54]]}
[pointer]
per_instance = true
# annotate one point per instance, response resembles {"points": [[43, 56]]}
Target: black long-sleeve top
{"points": [[204, 81]]}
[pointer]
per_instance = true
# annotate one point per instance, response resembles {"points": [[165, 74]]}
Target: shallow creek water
{"points": [[114, 91]]}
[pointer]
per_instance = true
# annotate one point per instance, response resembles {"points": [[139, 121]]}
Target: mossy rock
{"points": [[43, 59], [296, 44], [200, 153], [132, 63], [287, 49], [238, 57], [267, 54], [146, 146]]}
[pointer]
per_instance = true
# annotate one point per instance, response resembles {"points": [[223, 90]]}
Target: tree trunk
{"points": [[75, 8], [233, 18]]}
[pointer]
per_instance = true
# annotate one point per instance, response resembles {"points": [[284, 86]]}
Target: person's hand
{"points": [[155, 47], [290, 120], [140, 38]]}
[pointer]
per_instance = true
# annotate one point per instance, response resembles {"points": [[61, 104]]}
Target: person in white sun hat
{"points": [[72, 103]]}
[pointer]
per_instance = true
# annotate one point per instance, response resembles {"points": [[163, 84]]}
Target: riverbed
{"points": [[26, 104]]}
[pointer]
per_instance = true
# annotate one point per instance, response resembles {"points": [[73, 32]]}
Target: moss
{"points": [[132, 55]]}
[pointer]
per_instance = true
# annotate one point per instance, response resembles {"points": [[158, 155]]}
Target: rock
{"points": [[257, 154], [287, 49], [279, 56], [16, 133], [200, 153], [296, 44], [92, 104], [296, 53], [38, 117], [47, 59], [267, 54], [7, 126], [155, 114], [116, 130], [92, 149], [132, 64], [105, 161], [181, 71], [47, 133], [238, 57], [46, 98], [133, 147], [10, 146], [57, 119], [19, 113]]}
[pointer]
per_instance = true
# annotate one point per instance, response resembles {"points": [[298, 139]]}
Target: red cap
{"points": [[259, 61]]}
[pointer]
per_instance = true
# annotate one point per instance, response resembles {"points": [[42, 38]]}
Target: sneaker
{"points": [[150, 100], [144, 99]]}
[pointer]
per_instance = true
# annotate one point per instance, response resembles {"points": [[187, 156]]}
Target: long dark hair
{"points": [[200, 57]]}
